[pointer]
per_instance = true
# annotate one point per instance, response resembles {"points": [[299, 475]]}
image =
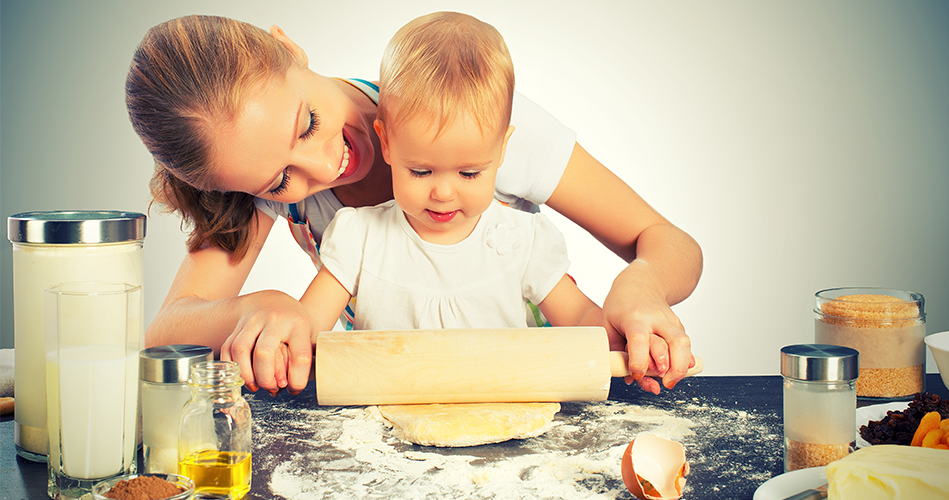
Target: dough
{"points": [[469, 424]]}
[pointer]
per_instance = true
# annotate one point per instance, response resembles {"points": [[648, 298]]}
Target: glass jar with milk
{"points": [[50, 248]]}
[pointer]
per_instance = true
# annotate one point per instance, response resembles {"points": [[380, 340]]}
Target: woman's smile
{"points": [[350, 161]]}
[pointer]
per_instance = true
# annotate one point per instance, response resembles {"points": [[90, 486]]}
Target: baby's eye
{"points": [[471, 175], [419, 172]]}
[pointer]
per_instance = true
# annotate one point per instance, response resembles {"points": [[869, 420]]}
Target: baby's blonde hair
{"points": [[443, 65]]}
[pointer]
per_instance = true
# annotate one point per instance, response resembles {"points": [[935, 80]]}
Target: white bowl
{"points": [[939, 345]]}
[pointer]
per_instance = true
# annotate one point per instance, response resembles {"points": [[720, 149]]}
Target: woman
{"points": [[243, 132]]}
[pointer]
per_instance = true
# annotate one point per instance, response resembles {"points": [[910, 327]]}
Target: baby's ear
{"points": [[289, 44], [507, 137], [383, 139]]}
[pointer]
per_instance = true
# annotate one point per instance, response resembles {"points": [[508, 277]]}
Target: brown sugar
{"points": [[870, 311], [143, 488], [806, 455], [885, 382], [887, 331]]}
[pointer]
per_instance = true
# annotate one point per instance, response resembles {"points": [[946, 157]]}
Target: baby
{"points": [[444, 253]]}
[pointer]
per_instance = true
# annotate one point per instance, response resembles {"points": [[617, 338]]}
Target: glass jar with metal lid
{"points": [[164, 371], [50, 248], [820, 403]]}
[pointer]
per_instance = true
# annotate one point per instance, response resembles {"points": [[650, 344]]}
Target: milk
{"points": [[92, 393], [36, 267]]}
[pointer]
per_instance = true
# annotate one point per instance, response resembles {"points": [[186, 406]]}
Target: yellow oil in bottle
{"points": [[219, 473]]}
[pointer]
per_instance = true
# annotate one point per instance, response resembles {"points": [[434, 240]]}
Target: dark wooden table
{"points": [[736, 445]]}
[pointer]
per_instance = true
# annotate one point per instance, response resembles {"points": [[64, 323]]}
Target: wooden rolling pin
{"points": [[467, 366]]}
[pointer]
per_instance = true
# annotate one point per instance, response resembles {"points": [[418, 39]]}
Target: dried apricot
{"points": [[933, 438], [929, 422]]}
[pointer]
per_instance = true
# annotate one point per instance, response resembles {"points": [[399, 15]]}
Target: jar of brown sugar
{"points": [[887, 327]]}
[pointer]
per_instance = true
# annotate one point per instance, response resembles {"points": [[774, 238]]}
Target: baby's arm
{"points": [[325, 299], [566, 305]]}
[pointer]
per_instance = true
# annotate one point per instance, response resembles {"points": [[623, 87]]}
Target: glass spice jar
{"points": [[164, 372], [820, 403], [887, 327], [214, 436]]}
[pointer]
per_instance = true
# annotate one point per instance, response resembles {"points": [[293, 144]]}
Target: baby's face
{"points": [[443, 183]]}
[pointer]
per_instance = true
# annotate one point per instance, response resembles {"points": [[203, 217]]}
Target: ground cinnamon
{"points": [[143, 488]]}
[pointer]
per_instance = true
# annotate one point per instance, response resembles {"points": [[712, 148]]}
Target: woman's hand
{"points": [[639, 321], [271, 343]]}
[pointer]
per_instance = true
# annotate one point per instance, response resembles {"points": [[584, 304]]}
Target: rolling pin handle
{"points": [[619, 365]]}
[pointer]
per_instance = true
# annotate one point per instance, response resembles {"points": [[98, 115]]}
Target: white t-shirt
{"points": [[401, 281], [534, 162]]}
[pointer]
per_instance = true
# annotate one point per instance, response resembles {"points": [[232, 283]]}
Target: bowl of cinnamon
{"points": [[145, 487]]}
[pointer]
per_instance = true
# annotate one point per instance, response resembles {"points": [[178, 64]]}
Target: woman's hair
{"points": [[187, 75], [442, 65]]}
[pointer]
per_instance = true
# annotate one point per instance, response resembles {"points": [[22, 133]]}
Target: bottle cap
{"points": [[819, 363], [171, 364]]}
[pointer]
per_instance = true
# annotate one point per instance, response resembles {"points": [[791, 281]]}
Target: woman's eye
{"points": [[314, 125], [284, 182]]}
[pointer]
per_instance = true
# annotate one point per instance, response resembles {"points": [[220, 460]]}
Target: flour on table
{"points": [[468, 424], [352, 454]]}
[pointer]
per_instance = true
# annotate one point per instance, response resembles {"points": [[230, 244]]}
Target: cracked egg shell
{"points": [[654, 468]]}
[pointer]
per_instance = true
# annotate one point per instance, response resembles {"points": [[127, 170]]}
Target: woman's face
{"points": [[292, 138]]}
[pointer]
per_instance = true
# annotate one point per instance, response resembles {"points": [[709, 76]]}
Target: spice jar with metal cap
{"points": [[164, 372], [820, 403], [50, 248]]}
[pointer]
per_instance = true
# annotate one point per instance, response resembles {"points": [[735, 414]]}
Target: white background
{"points": [[804, 144]]}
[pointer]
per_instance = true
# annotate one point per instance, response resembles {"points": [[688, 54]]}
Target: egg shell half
{"points": [[654, 468]]}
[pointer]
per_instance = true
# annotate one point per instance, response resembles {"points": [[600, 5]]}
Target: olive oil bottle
{"points": [[222, 474], [214, 438]]}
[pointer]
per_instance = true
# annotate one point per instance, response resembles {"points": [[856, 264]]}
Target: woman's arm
{"points": [[665, 265], [203, 307]]}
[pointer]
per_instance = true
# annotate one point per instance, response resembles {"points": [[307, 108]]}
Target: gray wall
{"points": [[804, 144]]}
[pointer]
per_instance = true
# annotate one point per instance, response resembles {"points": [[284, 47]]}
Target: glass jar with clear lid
{"points": [[214, 436], [50, 248], [887, 327], [820, 403]]}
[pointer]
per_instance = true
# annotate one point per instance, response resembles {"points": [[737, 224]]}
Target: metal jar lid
{"points": [[75, 227], [819, 363], [171, 364]]}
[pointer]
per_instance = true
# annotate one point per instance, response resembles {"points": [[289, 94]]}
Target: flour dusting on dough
{"points": [[471, 424]]}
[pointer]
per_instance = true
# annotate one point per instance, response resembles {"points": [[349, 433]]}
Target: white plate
{"points": [[875, 412], [791, 483]]}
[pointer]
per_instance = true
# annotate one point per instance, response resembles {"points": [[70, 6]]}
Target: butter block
{"points": [[890, 472]]}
